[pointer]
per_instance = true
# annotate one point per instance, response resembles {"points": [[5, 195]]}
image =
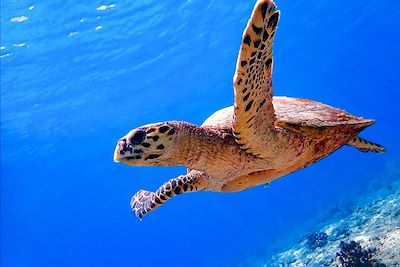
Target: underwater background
{"points": [[78, 75]]}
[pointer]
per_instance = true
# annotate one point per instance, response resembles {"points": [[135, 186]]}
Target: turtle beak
{"points": [[116, 156], [120, 150]]}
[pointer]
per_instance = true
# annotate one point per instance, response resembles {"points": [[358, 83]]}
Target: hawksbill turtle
{"points": [[259, 139]]}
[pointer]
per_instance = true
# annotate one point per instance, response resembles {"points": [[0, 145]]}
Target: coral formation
{"points": [[316, 240], [352, 255]]}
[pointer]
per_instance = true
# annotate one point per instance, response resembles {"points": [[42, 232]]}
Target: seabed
{"points": [[367, 234]]}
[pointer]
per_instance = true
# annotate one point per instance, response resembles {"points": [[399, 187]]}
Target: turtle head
{"points": [[147, 145]]}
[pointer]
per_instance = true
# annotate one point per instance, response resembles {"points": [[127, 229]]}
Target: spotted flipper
{"points": [[254, 113], [144, 201], [366, 146]]}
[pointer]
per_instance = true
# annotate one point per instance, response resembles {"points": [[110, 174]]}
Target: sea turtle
{"points": [[259, 139]]}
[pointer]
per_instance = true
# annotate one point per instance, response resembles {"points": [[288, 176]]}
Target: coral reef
{"points": [[368, 235]]}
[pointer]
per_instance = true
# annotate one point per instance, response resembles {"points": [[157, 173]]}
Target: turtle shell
{"points": [[307, 117]]}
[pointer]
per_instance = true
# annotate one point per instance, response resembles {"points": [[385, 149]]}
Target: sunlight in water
{"points": [[78, 75]]}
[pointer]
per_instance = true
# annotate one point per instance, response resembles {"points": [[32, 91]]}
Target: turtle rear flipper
{"points": [[366, 146]]}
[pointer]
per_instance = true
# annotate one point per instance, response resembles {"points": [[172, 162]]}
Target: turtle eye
{"points": [[138, 137]]}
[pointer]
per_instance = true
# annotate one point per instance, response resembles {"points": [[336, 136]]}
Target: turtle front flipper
{"points": [[144, 201], [254, 115]]}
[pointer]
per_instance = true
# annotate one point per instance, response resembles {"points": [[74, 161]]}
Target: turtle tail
{"points": [[366, 146]]}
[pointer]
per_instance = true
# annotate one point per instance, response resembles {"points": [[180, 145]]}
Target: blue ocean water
{"points": [[77, 75]]}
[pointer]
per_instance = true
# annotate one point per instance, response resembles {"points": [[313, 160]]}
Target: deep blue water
{"points": [[77, 75]]}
